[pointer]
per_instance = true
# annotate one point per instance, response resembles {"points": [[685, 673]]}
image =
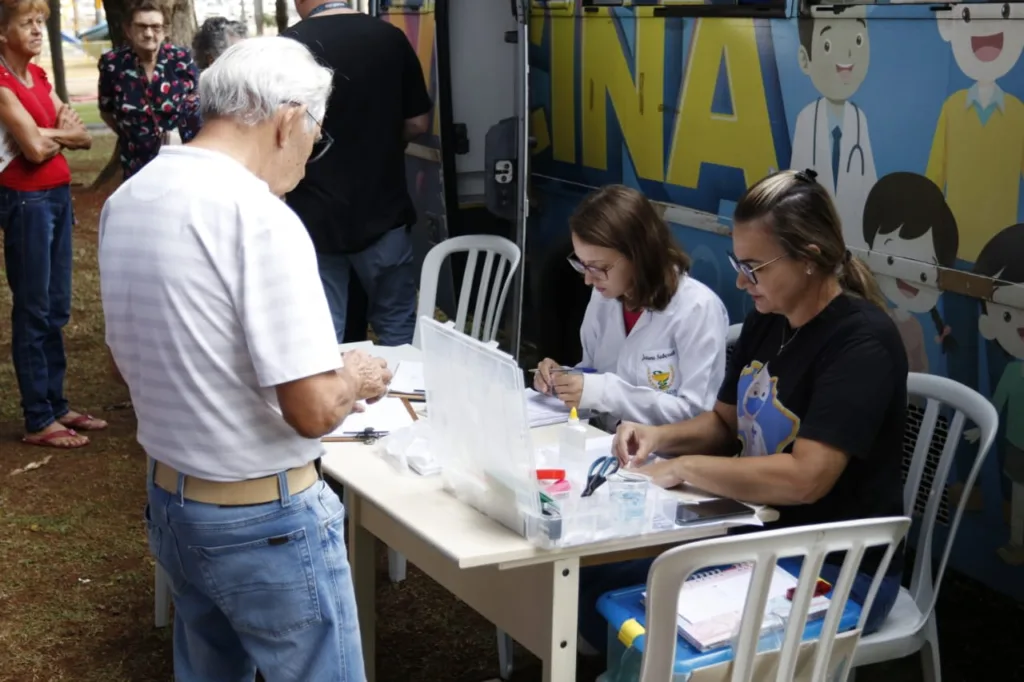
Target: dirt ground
{"points": [[76, 578]]}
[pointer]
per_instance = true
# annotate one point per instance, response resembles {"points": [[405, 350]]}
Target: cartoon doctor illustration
{"points": [[764, 425], [757, 395], [831, 134], [1002, 321], [977, 154]]}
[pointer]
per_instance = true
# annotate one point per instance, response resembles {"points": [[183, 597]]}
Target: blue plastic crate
{"points": [[624, 612]]}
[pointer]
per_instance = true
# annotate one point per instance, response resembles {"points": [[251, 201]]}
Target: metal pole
{"points": [[522, 105], [60, 83]]}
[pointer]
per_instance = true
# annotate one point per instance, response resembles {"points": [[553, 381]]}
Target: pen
{"points": [[570, 370]]}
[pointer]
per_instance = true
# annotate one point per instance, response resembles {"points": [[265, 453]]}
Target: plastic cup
{"points": [[628, 494]]}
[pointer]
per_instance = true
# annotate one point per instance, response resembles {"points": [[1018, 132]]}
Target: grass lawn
{"points": [[88, 112]]}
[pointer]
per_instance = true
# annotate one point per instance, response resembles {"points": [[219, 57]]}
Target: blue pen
{"points": [[576, 370]]}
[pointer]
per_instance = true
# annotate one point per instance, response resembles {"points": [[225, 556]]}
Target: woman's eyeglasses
{"points": [[747, 270], [595, 271]]}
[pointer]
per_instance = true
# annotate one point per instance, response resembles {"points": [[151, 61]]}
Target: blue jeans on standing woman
{"points": [[37, 257], [263, 586]]}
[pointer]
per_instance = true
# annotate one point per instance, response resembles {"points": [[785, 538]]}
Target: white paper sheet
{"points": [[383, 416], [542, 410], [408, 378]]}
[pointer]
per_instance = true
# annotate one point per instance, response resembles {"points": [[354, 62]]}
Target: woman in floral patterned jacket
{"points": [[148, 89]]}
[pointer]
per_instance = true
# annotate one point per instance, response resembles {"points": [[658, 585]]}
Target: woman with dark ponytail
{"points": [[815, 395]]}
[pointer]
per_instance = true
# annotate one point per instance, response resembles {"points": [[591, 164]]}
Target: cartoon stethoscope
{"points": [[856, 149]]}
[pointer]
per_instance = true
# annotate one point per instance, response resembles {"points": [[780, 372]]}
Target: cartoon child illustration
{"points": [[757, 395], [976, 159], [906, 216], [831, 134], [1002, 259], [977, 154]]}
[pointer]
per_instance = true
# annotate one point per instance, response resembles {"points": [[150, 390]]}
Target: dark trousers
{"points": [[37, 257], [387, 273]]}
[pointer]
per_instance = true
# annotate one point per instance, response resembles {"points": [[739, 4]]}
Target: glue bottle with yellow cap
{"points": [[572, 446]]}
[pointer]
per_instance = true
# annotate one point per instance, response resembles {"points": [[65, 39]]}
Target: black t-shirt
{"points": [[357, 191], [841, 380]]}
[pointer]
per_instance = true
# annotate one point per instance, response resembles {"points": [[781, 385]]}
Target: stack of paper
{"points": [[542, 410], [408, 379], [8, 148], [381, 417], [711, 604]]}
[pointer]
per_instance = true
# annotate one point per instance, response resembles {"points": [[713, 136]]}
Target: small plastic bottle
{"points": [[572, 446]]}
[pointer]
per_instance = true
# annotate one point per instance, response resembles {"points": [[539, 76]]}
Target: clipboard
{"points": [[369, 441], [409, 397]]}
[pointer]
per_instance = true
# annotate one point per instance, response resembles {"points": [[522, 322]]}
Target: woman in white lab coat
{"points": [[653, 337]]}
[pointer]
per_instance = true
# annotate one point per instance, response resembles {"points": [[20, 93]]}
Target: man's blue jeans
{"points": [[387, 271], [37, 257], [264, 586]]}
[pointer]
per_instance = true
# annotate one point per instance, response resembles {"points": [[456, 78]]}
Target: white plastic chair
{"points": [[671, 569], [491, 290], [733, 335], [911, 625]]}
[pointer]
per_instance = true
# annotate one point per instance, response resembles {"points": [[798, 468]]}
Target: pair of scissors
{"points": [[599, 471], [367, 436]]}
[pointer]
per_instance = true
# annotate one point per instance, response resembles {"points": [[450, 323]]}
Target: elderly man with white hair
{"points": [[218, 324]]}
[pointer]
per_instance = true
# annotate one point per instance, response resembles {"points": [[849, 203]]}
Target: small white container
{"points": [[572, 443]]}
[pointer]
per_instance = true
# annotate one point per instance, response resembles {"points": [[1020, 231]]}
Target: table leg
{"points": [[560, 662], [362, 553]]}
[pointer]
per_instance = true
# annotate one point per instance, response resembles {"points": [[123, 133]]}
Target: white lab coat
{"points": [[667, 370], [812, 148]]}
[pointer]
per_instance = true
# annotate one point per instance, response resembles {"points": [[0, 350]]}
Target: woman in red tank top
{"points": [[36, 217]]}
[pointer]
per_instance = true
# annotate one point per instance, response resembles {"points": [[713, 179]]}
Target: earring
{"points": [[809, 270]]}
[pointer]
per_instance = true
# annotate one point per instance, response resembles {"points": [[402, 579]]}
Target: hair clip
{"points": [[847, 256], [807, 175]]}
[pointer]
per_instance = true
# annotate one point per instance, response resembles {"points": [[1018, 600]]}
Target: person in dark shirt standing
{"points": [[815, 394], [354, 200]]}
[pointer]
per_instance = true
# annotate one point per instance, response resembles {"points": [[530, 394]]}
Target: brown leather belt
{"points": [[234, 493]]}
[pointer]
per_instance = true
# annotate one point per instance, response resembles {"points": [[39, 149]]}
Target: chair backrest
{"points": [[967, 404], [731, 337], [671, 569], [491, 292]]}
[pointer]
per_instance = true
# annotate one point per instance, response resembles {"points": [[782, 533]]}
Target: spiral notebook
{"points": [[711, 602]]}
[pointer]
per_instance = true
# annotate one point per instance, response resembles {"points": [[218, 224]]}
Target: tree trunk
{"points": [[60, 82], [257, 15], [183, 27], [281, 14], [183, 22]]}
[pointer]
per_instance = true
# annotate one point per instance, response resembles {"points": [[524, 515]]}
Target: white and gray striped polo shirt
{"points": [[211, 297]]}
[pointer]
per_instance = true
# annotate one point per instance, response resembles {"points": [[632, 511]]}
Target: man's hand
{"points": [[370, 375], [634, 443], [568, 386]]}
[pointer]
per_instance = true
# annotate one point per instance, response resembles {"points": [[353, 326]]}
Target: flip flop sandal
{"points": [[48, 439], [82, 422]]}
